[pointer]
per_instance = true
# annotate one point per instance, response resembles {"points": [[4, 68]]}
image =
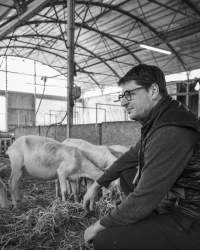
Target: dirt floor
{"points": [[44, 222]]}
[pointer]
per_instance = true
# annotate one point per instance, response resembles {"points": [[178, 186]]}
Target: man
{"points": [[162, 205]]}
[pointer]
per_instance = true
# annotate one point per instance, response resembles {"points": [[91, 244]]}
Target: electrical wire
{"points": [[45, 79]]}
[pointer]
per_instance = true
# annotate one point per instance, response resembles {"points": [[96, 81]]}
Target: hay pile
{"points": [[58, 226], [41, 222]]}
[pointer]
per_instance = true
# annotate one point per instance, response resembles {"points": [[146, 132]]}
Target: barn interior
{"points": [[89, 45]]}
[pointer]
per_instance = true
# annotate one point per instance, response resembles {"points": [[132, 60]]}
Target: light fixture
{"points": [[155, 49]]}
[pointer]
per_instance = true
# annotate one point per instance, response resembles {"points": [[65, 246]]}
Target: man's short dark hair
{"points": [[146, 75]]}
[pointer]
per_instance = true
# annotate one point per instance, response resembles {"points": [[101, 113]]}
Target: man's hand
{"points": [[89, 197], [92, 231]]}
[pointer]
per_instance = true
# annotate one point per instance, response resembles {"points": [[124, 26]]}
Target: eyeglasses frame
{"points": [[130, 92]]}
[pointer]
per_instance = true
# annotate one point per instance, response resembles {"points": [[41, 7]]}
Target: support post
{"points": [[96, 113], [70, 75], [35, 93], [199, 103], [6, 95], [187, 89], [32, 9]]}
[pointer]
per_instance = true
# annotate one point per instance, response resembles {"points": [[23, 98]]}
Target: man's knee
{"points": [[104, 241], [99, 241]]}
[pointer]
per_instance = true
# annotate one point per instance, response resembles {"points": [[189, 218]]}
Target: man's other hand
{"points": [[89, 197], [92, 231]]}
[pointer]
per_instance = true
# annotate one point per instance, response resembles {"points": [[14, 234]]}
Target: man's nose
{"points": [[124, 102]]}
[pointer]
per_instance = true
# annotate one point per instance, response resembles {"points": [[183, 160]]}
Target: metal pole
{"points": [[18, 118], [199, 103], [34, 122], [96, 113], [49, 116], [70, 75], [6, 95], [187, 89]]}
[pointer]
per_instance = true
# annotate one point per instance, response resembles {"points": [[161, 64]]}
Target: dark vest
{"points": [[184, 196]]}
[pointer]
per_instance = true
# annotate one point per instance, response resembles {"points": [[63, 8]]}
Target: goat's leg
{"points": [[89, 183], [72, 189], [75, 189], [69, 187], [64, 173], [62, 180], [57, 188], [14, 185]]}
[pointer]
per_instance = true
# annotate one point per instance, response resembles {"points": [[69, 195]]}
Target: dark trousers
{"points": [[157, 232]]}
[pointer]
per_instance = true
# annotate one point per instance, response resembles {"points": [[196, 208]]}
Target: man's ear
{"points": [[155, 90]]}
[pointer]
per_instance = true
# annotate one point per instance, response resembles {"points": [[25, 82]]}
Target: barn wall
{"points": [[89, 132], [21, 109], [26, 131], [55, 132], [123, 133]]}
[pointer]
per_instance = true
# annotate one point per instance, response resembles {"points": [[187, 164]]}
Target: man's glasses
{"points": [[128, 94]]}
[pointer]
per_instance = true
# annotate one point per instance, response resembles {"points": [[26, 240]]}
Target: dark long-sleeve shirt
{"points": [[166, 154], [126, 161]]}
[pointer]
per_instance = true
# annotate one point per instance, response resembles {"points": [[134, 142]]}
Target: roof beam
{"points": [[111, 38], [49, 97], [179, 33], [151, 28], [4, 14], [167, 6], [50, 52], [124, 12], [61, 39], [85, 26], [192, 6], [95, 18], [169, 36], [32, 9]]}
